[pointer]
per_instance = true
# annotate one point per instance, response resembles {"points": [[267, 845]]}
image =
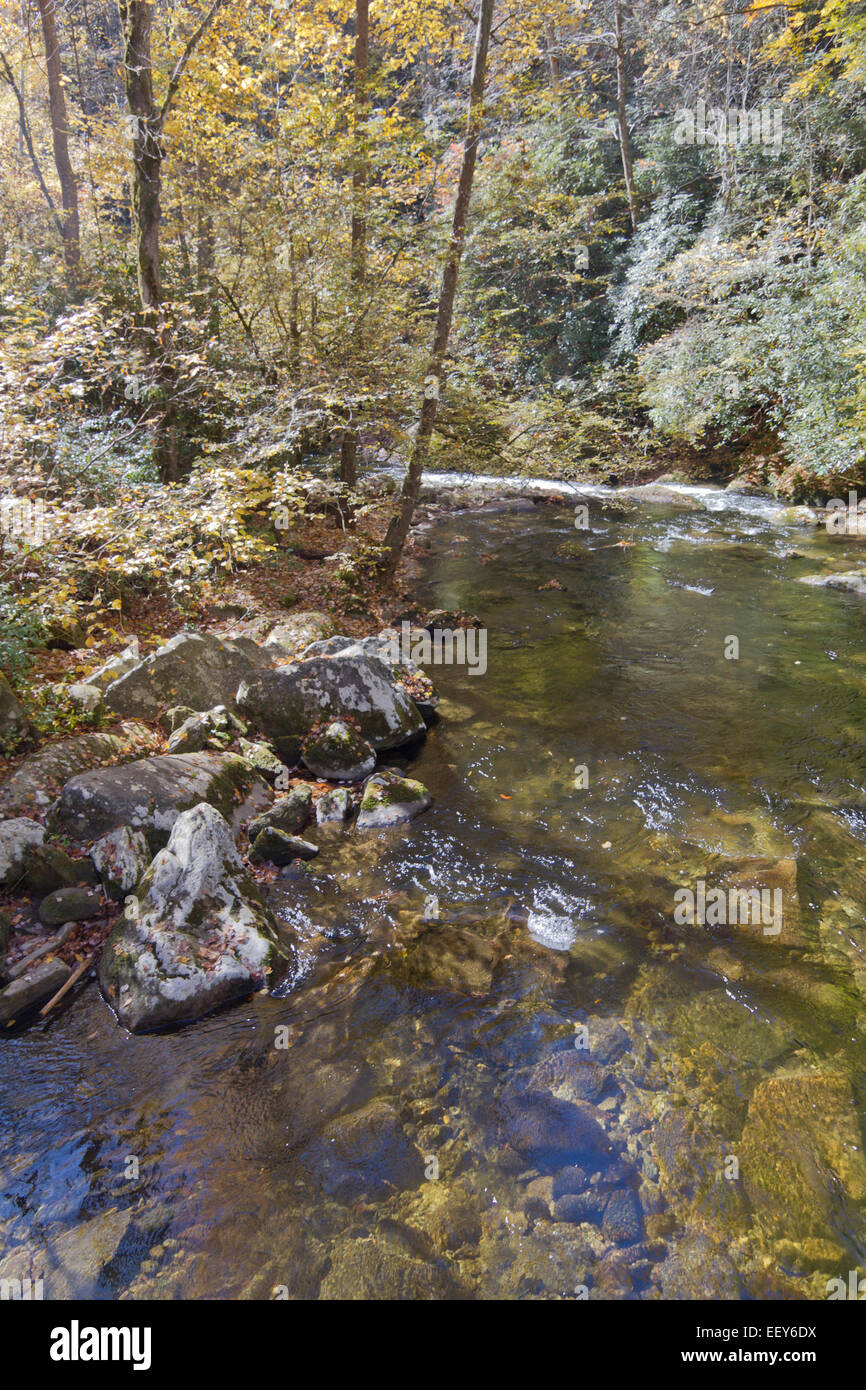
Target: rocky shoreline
{"points": [[128, 843]]}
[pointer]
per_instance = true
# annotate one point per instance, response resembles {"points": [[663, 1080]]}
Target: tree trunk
{"points": [[436, 370], [622, 120], [360, 183], [60, 139]]}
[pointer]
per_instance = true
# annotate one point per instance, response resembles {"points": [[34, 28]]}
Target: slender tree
{"points": [[60, 141], [436, 368], [360, 182]]}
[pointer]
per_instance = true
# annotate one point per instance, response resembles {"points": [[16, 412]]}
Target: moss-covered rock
{"points": [[391, 800], [289, 813], [70, 905], [149, 795], [197, 935], [338, 753]]}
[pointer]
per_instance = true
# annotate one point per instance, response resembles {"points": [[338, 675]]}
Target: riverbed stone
{"points": [[196, 669], [70, 905], [623, 1221], [334, 808], [289, 813], [801, 1156], [49, 867], [366, 1153], [17, 837], [453, 958], [28, 991], [150, 794], [274, 846], [121, 858], [286, 703], [338, 753], [299, 631], [368, 1270], [569, 1075], [263, 758], [391, 800], [200, 936], [547, 1130], [36, 783], [213, 728]]}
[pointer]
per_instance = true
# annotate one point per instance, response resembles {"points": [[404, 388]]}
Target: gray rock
{"points": [[579, 1207], [38, 780], [114, 668], [26, 993], [214, 728], [339, 753], [14, 724], [121, 858], [699, 1269], [262, 758], [195, 669], [652, 492], [16, 838], [149, 795], [546, 1129], [853, 582], [335, 807], [299, 631], [89, 697], [608, 1040], [289, 813], [570, 1180], [286, 703], [274, 846], [69, 905], [391, 800], [199, 937]]}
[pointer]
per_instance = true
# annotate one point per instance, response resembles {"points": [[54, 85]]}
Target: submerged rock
{"points": [[569, 1075], [195, 669], [363, 1269], [391, 800], [366, 1153], [338, 753], [286, 703], [276, 847], [17, 836], [149, 795], [545, 1129], [199, 937], [801, 1156], [453, 958]]}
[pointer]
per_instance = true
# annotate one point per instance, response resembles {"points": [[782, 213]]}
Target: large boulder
{"points": [[199, 670], [150, 795], [198, 935], [14, 724], [16, 838], [299, 631], [286, 703], [36, 783]]}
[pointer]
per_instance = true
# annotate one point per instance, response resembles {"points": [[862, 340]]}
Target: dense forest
{"points": [[224, 230]]}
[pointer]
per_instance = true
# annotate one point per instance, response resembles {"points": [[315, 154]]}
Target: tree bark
{"points": [[622, 119], [360, 183], [436, 369], [60, 140]]}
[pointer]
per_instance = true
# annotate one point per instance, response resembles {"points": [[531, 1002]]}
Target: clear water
{"points": [[263, 1170]]}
